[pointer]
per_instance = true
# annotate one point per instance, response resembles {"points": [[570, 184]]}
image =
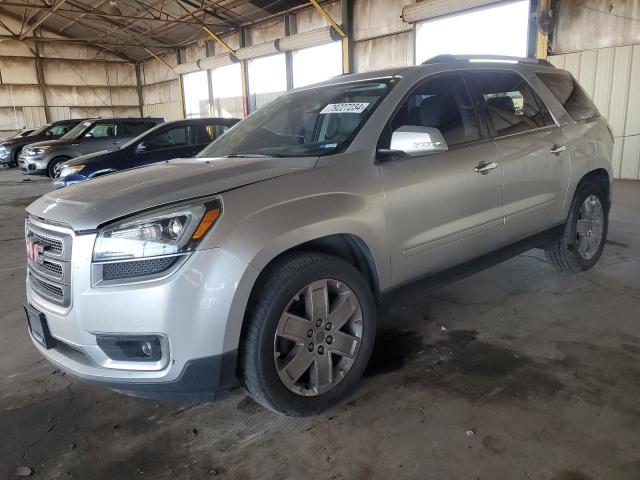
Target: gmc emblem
{"points": [[35, 251]]}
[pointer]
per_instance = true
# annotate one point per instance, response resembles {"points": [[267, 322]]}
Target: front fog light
{"points": [[145, 348]]}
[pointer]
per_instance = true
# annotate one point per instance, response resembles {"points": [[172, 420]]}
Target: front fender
{"points": [[269, 232]]}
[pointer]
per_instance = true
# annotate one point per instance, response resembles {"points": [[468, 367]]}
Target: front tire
{"points": [[308, 334], [52, 168], [585, 233]]}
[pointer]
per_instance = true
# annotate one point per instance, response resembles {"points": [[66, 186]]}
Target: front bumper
{"points": [[33, 164], [191, 309]]}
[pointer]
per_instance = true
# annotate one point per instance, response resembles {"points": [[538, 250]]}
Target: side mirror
{"points": [[48, 133], [415, 141], [89, 135], [141, 147]]}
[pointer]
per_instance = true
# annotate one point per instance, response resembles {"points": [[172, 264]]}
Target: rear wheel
{"points": [[585, 232], [55, 166], [309, 334]]}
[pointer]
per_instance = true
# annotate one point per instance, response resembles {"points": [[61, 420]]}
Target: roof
{"points": [[133, 28]]}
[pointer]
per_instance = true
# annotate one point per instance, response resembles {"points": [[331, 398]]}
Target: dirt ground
{"points": [[516, 372]]}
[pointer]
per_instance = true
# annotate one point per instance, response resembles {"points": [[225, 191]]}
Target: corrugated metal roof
{"points": [[130, 27]]}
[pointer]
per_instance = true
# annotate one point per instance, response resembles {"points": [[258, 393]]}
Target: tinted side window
{"points": [[60, 129], [107, 129], [441, 102], [133, 129], [570, 94], [212, 131], [512, 105], [171, 137]]}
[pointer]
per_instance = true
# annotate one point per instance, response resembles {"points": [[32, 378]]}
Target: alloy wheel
{"points": [[589, 227], [318, 337]]}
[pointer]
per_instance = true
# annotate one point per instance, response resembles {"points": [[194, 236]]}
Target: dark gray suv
{"points": [[89, 136], [10, 148]]}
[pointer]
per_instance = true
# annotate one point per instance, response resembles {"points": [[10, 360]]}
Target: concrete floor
{"points": [[517, 372]]}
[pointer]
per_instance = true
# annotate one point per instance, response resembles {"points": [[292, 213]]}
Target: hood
{"points": [[17, 142], [91, 158], [51, 142], [87, 205]]}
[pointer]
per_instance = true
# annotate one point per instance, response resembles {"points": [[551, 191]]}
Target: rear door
{"points": [[532, 149], [132, 128], [172, 141], [443, 208]]}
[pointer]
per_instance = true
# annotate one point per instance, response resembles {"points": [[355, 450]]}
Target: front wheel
{"points": [[308, 335], [585, 232], [54, 167]]}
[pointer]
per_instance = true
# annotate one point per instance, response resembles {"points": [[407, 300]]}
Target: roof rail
{"points": [[488, 58]]}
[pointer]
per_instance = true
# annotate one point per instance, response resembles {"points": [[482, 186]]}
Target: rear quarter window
{"points": [[570, 94]]}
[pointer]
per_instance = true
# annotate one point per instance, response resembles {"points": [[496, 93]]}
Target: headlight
{"points": [[144, 246], [69, 169], [3, 152], [38, 150]]}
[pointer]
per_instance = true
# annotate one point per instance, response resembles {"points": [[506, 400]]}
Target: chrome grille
{"points": [[47, 289], [49, 270], [54, 268], [51, 244]]}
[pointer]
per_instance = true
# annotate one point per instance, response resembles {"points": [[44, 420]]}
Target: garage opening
{"points": [[498, 30]]}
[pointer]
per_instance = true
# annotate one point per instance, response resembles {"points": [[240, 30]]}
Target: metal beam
{"points": [[159, 59], [328, 18], [39, 22], [41, 82], [96, 44], [81, 40]]}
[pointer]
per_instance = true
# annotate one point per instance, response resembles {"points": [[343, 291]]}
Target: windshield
{"points": [[75, 131], [38, 131], [311, 122]]}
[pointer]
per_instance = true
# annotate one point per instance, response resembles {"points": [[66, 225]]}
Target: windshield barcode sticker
{"points": [[344, 108]]}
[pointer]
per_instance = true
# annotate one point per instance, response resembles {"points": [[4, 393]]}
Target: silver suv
{"points": [[260, 261]]}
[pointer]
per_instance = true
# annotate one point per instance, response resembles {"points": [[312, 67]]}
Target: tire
{"points": [[265, 364], [14, 162], [567, 253], [52, 165]]}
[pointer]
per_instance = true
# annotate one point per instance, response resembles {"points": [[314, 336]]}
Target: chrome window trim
{"points": [[526, 132]]}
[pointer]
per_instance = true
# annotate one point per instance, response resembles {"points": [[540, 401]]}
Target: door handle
{"points": [[485, 167], [558, 149]]}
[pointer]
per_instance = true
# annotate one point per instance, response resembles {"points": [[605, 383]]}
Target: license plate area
{"points": [[37, 323]]}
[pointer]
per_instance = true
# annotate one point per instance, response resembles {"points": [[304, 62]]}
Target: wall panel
{"points": [[611, 76], [34, 116], [169, 111], [384, 52]]}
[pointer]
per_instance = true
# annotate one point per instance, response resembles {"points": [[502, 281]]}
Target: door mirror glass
{"points": [[49, 133], [141, 147], [88, 135], [414, 140]]}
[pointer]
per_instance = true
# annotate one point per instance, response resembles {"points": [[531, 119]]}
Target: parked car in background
{"points": [[86, 137], [24, 132], [259, 262], [182, 138], [10, 149]]}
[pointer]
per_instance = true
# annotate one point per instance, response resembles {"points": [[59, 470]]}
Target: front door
{"points": [[443, 208], [532, 152], [103, 135]]}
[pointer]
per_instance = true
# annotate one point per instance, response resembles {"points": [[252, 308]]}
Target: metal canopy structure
{"points": [[132, 29]]}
